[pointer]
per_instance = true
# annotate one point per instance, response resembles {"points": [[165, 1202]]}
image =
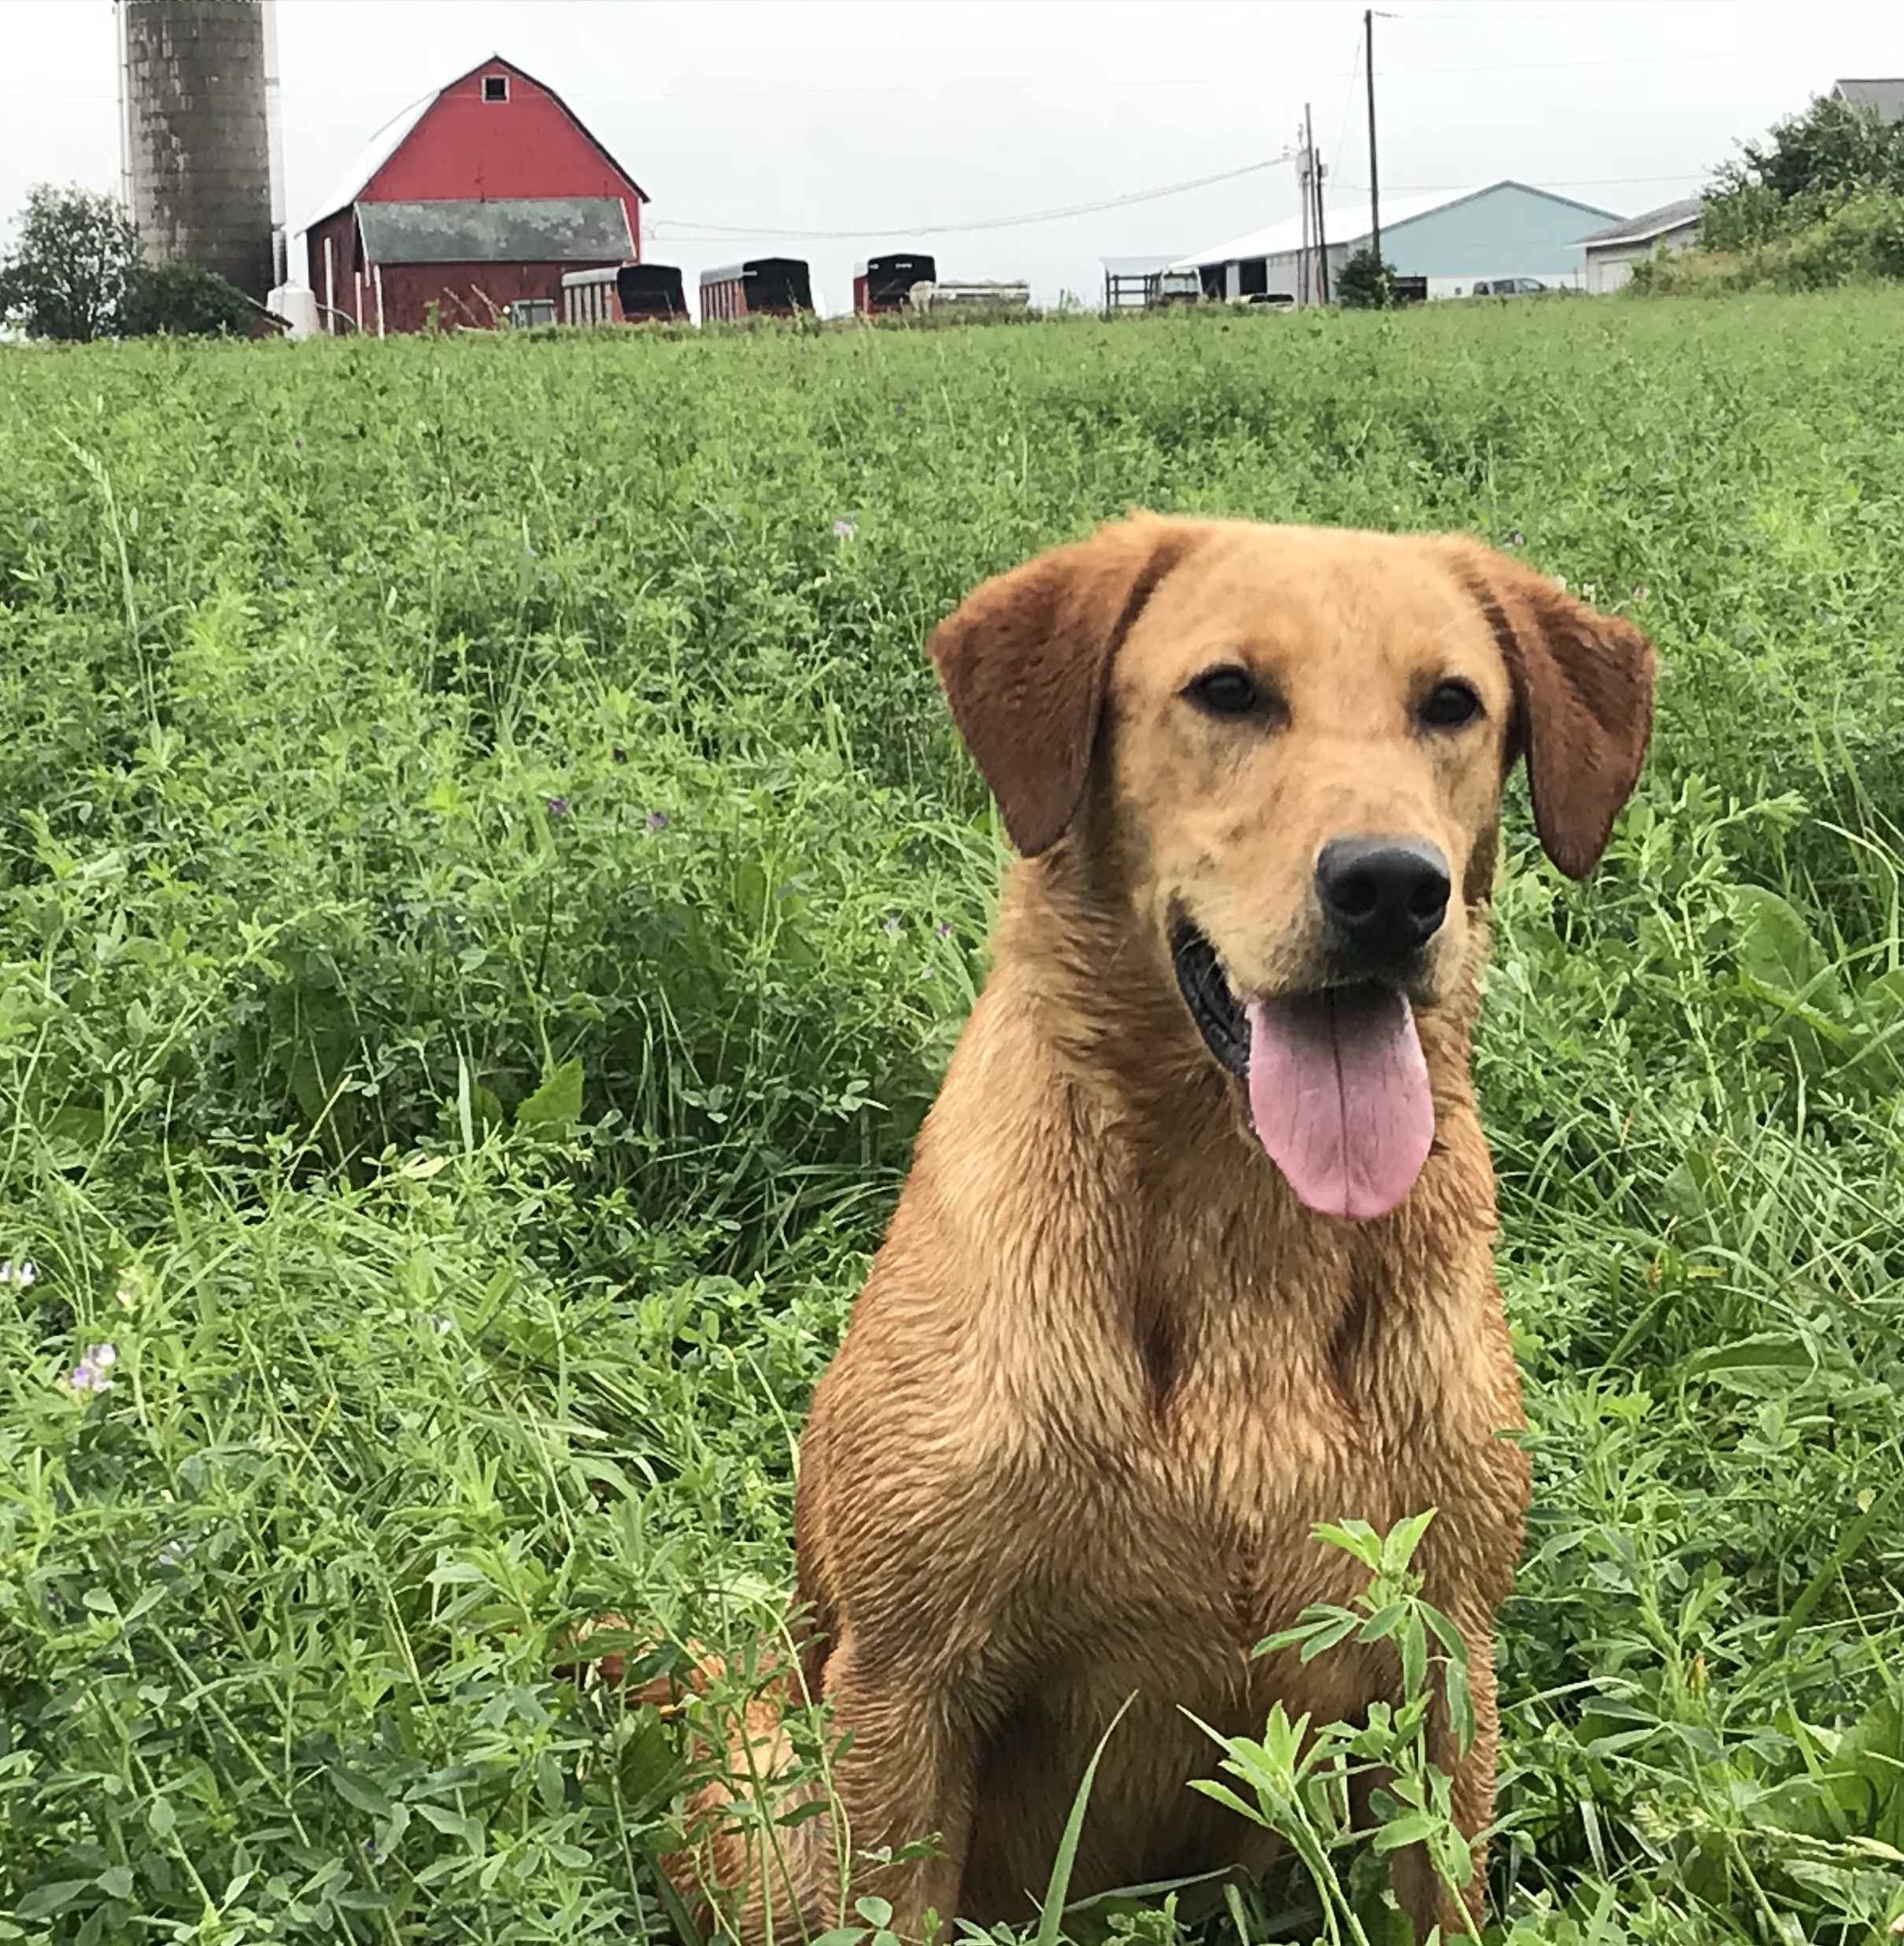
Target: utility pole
{"points": [[1321, 232], [1305, 294], [1368, 39], [1315, 232]]}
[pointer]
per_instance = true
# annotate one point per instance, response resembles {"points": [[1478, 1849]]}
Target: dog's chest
{"points": [[1207, 1477]]}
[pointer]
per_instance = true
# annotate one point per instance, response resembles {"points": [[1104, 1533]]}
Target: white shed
{"points": [[1610, 253]]}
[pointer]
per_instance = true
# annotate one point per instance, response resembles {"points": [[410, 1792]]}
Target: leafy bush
{"points": [[1365, 283], [66, 275], [1809, 165], [1861, 240], [185, 301]]}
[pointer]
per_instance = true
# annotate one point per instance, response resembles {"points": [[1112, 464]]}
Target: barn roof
{"points": [[504, 230], [1351, 224], [1642, 229], [371, 156], [397, 130]]}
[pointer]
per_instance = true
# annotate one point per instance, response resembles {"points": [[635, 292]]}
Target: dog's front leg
{"points": [[905, 1780]]}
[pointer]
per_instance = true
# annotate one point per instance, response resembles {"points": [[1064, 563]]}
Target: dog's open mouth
{"points": [[1338, 1088]]}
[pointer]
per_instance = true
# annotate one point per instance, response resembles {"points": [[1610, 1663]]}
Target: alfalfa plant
{"points": [[1302, 1781]]}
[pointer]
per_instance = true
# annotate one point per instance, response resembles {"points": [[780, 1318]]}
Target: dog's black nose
{"points": [[1385, 896]]}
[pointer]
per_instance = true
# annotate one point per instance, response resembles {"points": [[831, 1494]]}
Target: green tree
{"points": [[66, 275], [185, 301], [1805, 168], [1365, 283]]}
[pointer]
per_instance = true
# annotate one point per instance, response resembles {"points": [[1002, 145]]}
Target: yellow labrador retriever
{"points": [[1195, 1251]]}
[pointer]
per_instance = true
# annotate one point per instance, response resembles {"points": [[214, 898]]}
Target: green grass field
{"points": [[487, 886]]}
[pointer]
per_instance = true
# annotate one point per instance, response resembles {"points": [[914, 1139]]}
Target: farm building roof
{"points": [[1351, 223], [392, 135], [1642, 229], [372, 156], [1886, 96], [512, 229]]}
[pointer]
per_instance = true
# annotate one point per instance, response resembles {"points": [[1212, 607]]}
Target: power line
{"points": [[678, 226], [1547, 182], [1546, 67]]}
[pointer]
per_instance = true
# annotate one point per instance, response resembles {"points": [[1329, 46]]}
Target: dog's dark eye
{"points": [[1449, 705], [1226, 692]]}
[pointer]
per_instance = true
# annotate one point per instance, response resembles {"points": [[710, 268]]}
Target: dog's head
{"points": [[1284, 748]]}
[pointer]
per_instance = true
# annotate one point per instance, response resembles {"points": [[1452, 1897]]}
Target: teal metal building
{"points": [[1499, 232]]}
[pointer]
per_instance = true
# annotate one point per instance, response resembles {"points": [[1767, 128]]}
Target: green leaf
{"points": [[1776, 950], [1051, 1913], [1326, 1635], [555, 1107], [1413, 1827], [1398, 1549], [1460, 1703], [1446, 1632], [1415, 1654], [1354, 1538], [359, 1791], [1769, 1360], [549, 1783], [1383, 1622], [1318, 1615], [44, 1899], [452, 1824], [1222, 1794]]}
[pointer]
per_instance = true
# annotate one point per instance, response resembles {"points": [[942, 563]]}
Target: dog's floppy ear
{"points": [[1582, 688], [1025, 657]]}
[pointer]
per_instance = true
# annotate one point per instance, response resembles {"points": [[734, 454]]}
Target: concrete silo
{"points": [[195, 87]]}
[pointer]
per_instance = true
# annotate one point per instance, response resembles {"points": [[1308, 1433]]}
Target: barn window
{"points": [[495, 87]]}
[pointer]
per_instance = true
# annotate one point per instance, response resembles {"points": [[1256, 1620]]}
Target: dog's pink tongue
{"points": [[1339, 1092]]}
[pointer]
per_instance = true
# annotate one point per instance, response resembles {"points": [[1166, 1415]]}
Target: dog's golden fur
{"points": [[1108, 1370]]}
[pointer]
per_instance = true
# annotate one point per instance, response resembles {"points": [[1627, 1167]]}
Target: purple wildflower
{"points": [[944, 929], [558, 807], [845, 530], [657, 820], [92, 1374]]}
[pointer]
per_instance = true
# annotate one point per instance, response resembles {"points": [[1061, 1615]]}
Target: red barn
{"points": [[476, 198]]}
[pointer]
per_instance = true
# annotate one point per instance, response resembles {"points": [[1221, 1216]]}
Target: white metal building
{"points": [[1450, 241], [1610, 253]]}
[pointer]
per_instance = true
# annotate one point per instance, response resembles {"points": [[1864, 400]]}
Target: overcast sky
{"points": [[749, 121]]}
